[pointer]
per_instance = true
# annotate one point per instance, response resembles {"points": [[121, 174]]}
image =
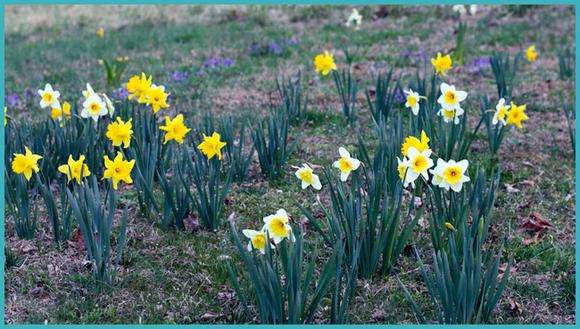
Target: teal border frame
{"points": [[273, 2]]}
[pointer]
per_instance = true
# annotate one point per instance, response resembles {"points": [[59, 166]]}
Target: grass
{"points": [[180, 277]]}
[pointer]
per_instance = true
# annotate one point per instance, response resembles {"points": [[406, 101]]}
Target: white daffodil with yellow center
{"points": [[308, 177], [278, 227], [355, 19], [413, 99], [88, 92], [49, 97], [450, 115], [450, 174], [501, 111], [418, 165], [94, 107], [258, 240], [345, 164], [110, 106], [451, 98], [402, 168]]}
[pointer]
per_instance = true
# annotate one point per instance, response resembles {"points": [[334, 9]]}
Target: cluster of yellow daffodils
{"points": [[144, 91], [442, 64], [212, 146], [75, 169], [120, 132], [450, 100], [174, 129], [276, 226], [412, 100], [324, 63], [531, 53], [26, 164], [509, 114]]}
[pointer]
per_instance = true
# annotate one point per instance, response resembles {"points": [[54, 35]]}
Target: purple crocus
{"points": [[12, 100], [228, 62], [275, 48], [479, 64], [179, 76], [399, 95], [120, 94]]}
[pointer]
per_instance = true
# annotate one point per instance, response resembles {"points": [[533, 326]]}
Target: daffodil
{"points": [[402, 168], [138, 86], [278, 227], [308, 177], [413, 99], [345, 164], [355, 19], [118, 170], [101, 32], [94, 107], [449, 226], [451, 98], [59, 113], [450, 115], [49, 97], [5, 115], [109, 104], [75, 169], [212, 146], [88, 92], [419, 144], [531, 53], [418, 165], [258, 240], [450, 174], [175, 129], [516, 115], [25, 164], [120, 132], [324, 63], [501, 111], [442, 64], [156, 97]]}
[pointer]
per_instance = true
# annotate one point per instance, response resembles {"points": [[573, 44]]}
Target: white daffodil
{"points": [[459, 9], [94, 107], [308, 178], [450, 174], [501, 111], [88, 92], [258, 240], [402, 168], [451, 115], [49, 97], [278, 227], [418, 165], [413, 98], [451, 98], [473, 10], [345, 163], [109, 104], [355, 19]]}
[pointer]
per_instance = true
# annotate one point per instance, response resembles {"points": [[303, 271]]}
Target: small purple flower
{"points": [[479, 64], [292, 41], [179, 76], [274, 48], [211, 63], [120, 94], [228, 62], [12, 100], [399, 95]]}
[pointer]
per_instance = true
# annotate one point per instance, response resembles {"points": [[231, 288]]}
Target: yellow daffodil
{"points": [[345, 164], [442, 64], [25, 164], [118, 170], [501, 111], [413, 99], [516, 115], [75, 169], [94, 107], [324, 63], [449, 226], [212, 146], [101, 32], [156, 97], [258, 240], [138, 86], [418, 165], [450, 174], [59, 113], [49, 97], [531, 53], [278, 227], [308, 177], [175, 129], [419, 144], [120, 132]]}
